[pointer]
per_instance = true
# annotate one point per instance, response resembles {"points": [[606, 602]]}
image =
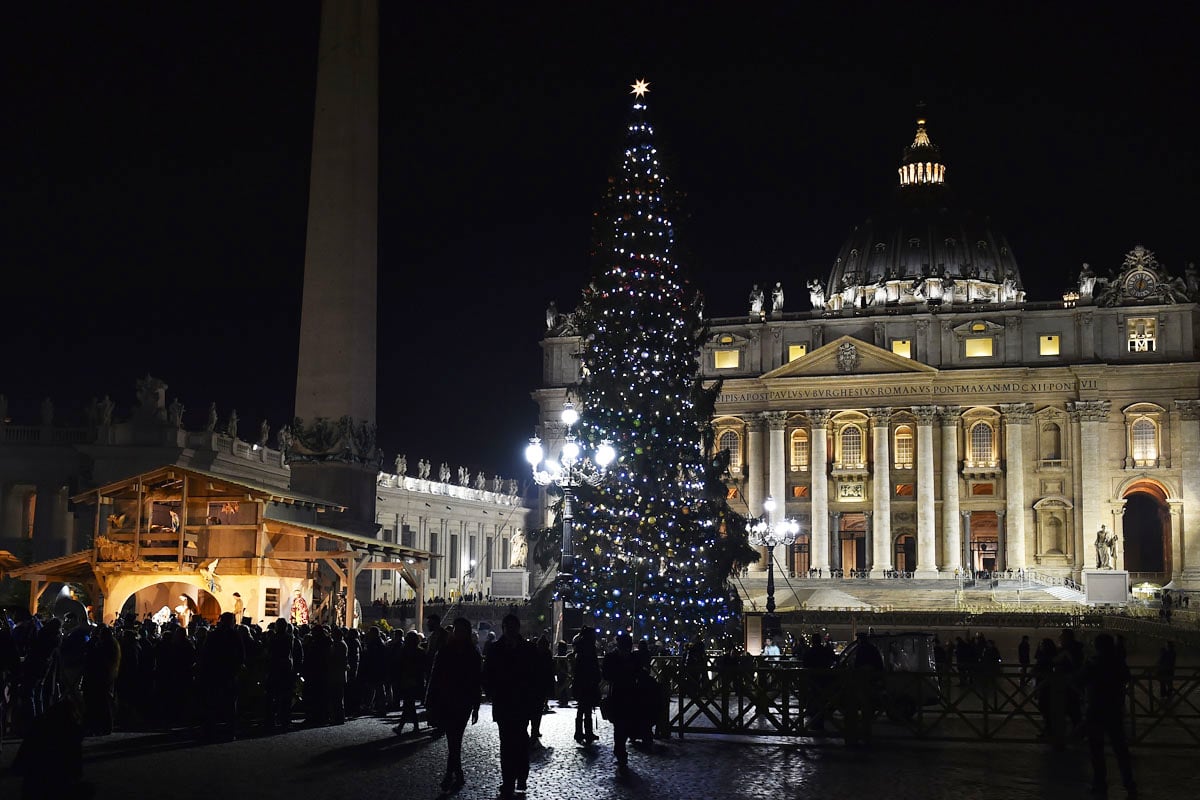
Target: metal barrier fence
{"points": [[770, 698]]}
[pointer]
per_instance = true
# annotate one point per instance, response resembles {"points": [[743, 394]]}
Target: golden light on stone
{"points": [[640, 87]]}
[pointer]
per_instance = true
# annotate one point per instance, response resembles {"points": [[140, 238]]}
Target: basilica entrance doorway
{"points": [[1147, 528], [853, 541], [983, 547], [905, 557]]}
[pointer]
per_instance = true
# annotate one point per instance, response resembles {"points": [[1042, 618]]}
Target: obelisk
{"points": [[334, 454]]}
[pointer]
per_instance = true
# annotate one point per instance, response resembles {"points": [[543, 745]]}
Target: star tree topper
{"points": [[640, 87]]}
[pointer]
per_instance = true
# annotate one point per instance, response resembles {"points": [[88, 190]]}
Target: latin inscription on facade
{"points": [[850, 392]]}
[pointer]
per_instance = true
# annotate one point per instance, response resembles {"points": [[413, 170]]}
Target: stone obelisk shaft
{"points": [[336, 373]]}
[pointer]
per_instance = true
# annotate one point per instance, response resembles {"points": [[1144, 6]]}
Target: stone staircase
{"points": [[909, 595]]}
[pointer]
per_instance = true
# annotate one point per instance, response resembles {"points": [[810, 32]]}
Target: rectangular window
{"points": [[1048, 345], [978, 347], [726, 359], [455, 557], [797, 351], [1142, 334], [505, 553], [406, 536], [487, 557], [433, 548], [902, 347]]}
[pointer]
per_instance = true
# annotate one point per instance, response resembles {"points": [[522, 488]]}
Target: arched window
{"points": [[1051, 442], [983, 444], [852, 445], [903, 448], [1144, 434], [800, 450], [733, 443]]}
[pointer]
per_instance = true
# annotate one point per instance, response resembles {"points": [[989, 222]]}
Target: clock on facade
{"points": [[1139, 284]]}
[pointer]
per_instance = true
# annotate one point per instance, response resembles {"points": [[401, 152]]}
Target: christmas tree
{"points": [[656, 543]]}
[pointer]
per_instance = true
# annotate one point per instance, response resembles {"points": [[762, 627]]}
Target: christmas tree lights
{"points": [[657, 542]]}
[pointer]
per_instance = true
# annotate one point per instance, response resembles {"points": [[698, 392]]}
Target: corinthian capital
{"points": [[949, 415], [819, 418], [1089, 410], [1017, 413], [925, 414], [880, 417], [777, 420], [1188, 409]]}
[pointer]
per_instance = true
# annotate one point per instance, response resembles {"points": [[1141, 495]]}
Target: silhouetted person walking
{"points": [[1105, 680], [1166, 670], [510, 677], [454, 687], [585, 683], [621, 669]]}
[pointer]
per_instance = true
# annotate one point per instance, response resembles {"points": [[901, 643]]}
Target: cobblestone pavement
{"points": [[364, 759]]}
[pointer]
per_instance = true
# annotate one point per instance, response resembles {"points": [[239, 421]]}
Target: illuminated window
{"points": [[1048, 345], [904, 447], [978, 347], [978, 327], [796, 351], [982, 441], [733, 443], [1142, 335], [799, 451], [851, 440], [904, 490], [725, 359], [799, 491], [902, 347], [1144, 436]]}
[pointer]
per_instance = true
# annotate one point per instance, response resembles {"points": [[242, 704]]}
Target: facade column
{"points": [[1177, 509], [754, 478], [819, 539], [1001, 541], [1185, 542], [881, 495], [968, 562], [836, 545], [777, 480], [926, 511], [1016, 423], [869, 532], [1091, 414], [951, 538], [776, 472]]}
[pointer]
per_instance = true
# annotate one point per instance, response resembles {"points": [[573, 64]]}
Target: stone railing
{"points": [[387, 480]]}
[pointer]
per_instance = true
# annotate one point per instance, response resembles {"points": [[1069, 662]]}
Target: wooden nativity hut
{"points": [[177, 535]]}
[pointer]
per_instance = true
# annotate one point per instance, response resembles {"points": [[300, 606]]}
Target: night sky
{"points": [[156, 174]]}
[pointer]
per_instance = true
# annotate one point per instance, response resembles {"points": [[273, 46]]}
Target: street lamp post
{"points": [[573, 469], [768, 534]]}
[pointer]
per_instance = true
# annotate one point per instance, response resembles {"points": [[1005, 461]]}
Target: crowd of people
{"points": [[64, 679]]}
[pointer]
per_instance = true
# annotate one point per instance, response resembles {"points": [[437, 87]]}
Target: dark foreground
{"points": [[364, 759]]}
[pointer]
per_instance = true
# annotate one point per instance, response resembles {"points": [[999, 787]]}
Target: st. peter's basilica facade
{"points": [[927, 418]]}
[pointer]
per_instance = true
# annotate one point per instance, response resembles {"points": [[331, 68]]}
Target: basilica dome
{"points": [[923, 249]]}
